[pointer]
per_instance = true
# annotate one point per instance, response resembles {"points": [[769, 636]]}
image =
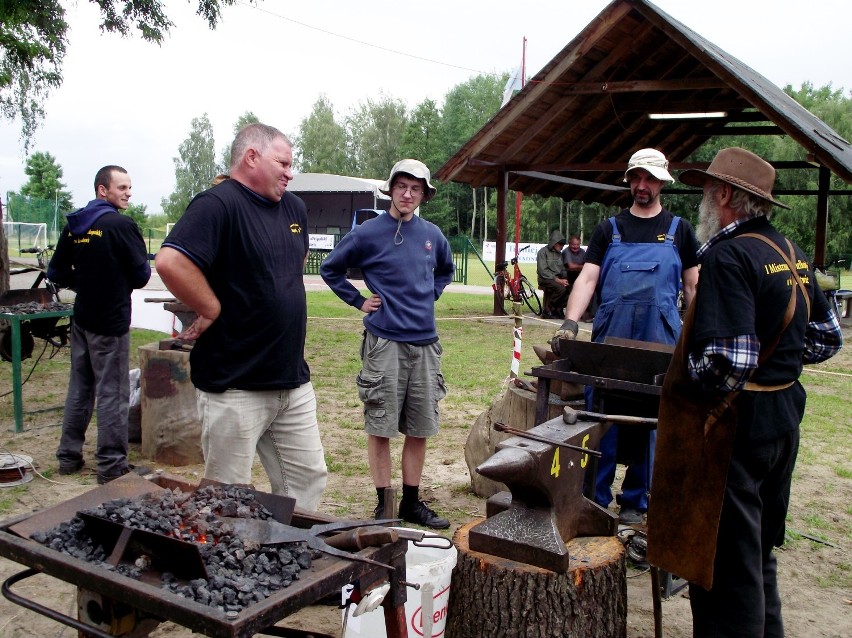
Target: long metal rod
{"points": [[500, 427]]}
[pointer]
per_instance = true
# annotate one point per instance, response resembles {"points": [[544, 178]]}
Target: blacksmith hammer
{"points": [[571, 416]]}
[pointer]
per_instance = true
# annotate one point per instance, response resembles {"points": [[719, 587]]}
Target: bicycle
{"points": [[516, 287], [828, 279], [43, 256]]}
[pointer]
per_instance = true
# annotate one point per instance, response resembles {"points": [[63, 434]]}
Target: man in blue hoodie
{"points": [[406, 263], [102, 257]]}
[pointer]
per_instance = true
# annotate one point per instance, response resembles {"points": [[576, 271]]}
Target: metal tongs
{"points": [[350, 536]]}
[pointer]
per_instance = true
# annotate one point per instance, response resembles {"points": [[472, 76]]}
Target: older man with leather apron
{"points": [[639, 261], [731, 405]]}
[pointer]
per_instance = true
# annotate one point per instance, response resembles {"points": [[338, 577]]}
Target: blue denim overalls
{"points": [[639, 286]]}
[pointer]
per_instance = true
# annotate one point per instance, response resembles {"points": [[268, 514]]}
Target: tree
{"points": [[195, 168], [45, 181], [423, 135], [322, 143], [244, 120], [34, 37], [467, 107], [375, 129], [138, 213]]}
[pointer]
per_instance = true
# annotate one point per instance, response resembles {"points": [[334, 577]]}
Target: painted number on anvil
{"points": [[554, 467], [584, 460]]}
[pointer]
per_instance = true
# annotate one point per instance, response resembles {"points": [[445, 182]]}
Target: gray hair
{"points": [[743, 203], [257, 136]]}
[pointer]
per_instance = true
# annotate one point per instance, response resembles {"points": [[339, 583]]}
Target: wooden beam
{"points": [[741, 130], [642, 86], [822, 216], [500, 249]]}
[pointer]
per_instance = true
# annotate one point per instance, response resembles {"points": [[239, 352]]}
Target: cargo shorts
{"points": [[400, 386]]}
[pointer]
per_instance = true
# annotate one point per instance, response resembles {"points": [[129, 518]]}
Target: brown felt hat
{"points": [[737, 167]]}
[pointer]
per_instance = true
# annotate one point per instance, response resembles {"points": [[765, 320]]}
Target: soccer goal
{"points": [[21, 235]]}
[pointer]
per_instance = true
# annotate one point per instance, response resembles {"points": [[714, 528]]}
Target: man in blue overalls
{"points": [[639, 261]]}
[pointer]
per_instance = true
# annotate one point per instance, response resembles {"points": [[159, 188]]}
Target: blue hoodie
{"points": [[102, 256], [408, 265]]}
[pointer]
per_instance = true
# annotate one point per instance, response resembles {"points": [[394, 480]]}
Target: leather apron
{"points": [[695, 439]]}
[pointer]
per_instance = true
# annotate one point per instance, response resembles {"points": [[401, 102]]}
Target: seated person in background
{"points": [[574, 257], [552, 276]]}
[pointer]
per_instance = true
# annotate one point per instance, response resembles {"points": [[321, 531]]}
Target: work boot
{"points": [[420, 514], [629, 516], [71, 467]]}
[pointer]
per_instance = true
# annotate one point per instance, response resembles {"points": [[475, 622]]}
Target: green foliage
{"points": [[375, 136], [45, 181], [137, 212], [322, 143], [195, 168], [423, 137], [32, 47], [34, 37]]}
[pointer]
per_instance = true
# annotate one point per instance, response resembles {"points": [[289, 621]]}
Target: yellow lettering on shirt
{"points": [[295, 228], [772, 269]]}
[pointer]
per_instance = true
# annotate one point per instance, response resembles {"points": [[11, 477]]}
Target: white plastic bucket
{"points": [[432, 569]]}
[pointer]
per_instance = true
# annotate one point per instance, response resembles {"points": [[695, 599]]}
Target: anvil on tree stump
{"points": [[546, 508]]}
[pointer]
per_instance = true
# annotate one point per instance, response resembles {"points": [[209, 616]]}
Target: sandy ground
{"points": [[814, 576]]}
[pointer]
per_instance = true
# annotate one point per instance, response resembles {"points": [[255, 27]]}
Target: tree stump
{"points": [[516, 408], [493, 597], [171, 428]]}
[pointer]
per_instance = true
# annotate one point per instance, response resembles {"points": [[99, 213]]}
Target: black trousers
{"points": [[744, 600]]}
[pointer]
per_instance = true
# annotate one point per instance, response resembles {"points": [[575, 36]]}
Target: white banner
{"points": [[526, 254], [321, 242]]}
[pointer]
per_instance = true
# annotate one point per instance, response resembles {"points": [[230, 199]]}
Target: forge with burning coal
{"points": [[236, 573]]}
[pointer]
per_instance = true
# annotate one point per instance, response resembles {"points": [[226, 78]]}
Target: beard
{"points": [[709, 220]]}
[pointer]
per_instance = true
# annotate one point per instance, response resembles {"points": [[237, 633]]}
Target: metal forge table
{"points": [[325, 578], [16, 320]]}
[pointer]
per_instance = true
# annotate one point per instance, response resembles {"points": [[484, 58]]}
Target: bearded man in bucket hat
{"points": [[637, 263], [406, 263], [732, 404]]}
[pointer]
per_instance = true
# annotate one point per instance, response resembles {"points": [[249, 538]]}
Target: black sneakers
{"points": [[420, 514], [72, 467], [103, 479]]}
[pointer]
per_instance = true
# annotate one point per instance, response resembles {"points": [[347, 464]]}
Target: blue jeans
{"points": [[99, 377], [280, 425]]}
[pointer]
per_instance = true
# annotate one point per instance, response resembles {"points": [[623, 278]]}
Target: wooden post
{"points": [[492, 596]]}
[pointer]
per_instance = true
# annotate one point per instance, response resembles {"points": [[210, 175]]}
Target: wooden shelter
{"points": [[633, 78]]}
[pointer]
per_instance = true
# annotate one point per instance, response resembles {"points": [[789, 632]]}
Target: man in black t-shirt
{"points": [[101, 256], [237, 257]]}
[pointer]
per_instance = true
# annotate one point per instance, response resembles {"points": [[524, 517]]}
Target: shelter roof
{"points": [[571, 129], [328, 183]]}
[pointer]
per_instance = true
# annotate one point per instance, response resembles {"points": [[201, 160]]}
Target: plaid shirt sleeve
{"points": [[725, 364], [823, 339]]}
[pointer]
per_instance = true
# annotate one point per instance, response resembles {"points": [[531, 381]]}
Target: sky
{"points": [[129, 102]]}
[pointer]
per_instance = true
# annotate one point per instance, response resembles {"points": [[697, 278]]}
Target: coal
{"points": [[240, 573], [32, 307]]}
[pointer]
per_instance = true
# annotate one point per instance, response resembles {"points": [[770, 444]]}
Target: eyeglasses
{"points": [[414, 189]]}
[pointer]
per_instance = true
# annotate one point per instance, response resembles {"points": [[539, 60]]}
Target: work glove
{"points": [[568, 330]]}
